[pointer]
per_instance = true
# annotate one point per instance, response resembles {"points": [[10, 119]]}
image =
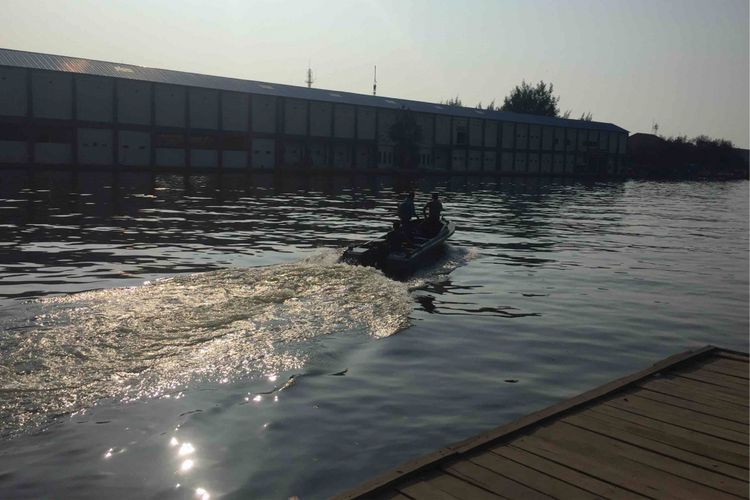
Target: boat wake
{"points": [[153, 339]]}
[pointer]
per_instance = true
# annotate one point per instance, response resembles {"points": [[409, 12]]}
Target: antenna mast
{"points": [[375, 82], [309, 80]]}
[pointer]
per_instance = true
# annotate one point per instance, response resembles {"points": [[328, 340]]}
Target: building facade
{"points": [[57, 110]]}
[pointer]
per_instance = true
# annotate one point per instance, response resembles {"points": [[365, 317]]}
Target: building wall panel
{"points": [[558, 163], [546, 165], [13, 97], [204, 108], [94, 98], [234, 111], [425, 122], [535, 137], [94, 146], [13, 152], [342, 156], [134, 148], [53, 153], [533, 163], [548, 138], [506, 162], [582, 140], [508, 135], [441, 158], [570, 163], [169, 105], [460, 132], [386, 119], [320, 154], [474, 163], [205, 158], [442, 129], [522, 136], [234, 159], [363, 156], [263, 114], [621, 143], [295, 117], [519, 163], [366, 123], [170, 157], [294, 154], [133, 102], [264, 153], [490, 134], [476, 132], [613, 143], [458, 160], [385, 157], [570, 139], [52, 94], [559, 139], [343, 121], [320, 119], [489, 162]]}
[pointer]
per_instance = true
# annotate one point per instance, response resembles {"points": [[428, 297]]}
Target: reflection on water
{"points": [[145, 340], [209, 345]]}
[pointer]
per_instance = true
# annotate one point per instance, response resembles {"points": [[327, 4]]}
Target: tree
{"points": [[535, 100], [407, 134], [586, 117], [455, 102]]}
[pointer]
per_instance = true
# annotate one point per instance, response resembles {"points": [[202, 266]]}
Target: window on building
{"points": [[461, 135]]}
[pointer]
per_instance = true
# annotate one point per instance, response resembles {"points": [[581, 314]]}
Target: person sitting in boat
{"points": [[432, 211], [406, 212], [395, 239]]}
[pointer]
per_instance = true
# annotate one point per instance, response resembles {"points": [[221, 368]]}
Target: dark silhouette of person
{"points": [[395, 239], [406, 211], [432, 211]]}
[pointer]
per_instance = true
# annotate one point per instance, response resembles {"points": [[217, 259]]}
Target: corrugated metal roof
{"points": [[18, 58]]}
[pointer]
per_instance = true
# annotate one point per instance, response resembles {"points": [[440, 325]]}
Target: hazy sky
{"points": [[681, 63]]}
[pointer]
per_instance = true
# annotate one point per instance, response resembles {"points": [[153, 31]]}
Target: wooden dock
{"points": [[676, 430]]}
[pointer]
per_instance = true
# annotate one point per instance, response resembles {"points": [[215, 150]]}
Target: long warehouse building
{"points": [[58, 110]]}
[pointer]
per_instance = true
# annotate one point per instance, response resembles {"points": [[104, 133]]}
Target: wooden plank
{"points": [[686, 390], [508, 431], [616, 473], [728, 413], [726, 381], [688, 420], [492, 481], [460, 489], [734, 356], [421, 490], [679, 437], [696, 482], [621, 431], [563, 473], [550, 486], [728, 393], [389, 495], [727, 367]]}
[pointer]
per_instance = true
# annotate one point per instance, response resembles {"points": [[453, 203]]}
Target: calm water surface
{"points": [[165, 336]]}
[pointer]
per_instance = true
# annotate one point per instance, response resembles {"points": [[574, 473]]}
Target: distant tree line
{"points": [[699, 157], [526, 98]]}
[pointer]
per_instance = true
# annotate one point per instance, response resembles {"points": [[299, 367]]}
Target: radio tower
{"points": [[375, 82], [309, 80]]}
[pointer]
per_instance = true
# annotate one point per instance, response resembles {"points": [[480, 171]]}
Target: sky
{"points": [[683, 64]]}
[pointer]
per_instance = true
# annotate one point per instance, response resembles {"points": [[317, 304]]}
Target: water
{"points": [[165, 336]]}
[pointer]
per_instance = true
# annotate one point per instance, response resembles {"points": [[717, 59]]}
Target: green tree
{"points": [[535, 100], [454, 101], [406, 134]]}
